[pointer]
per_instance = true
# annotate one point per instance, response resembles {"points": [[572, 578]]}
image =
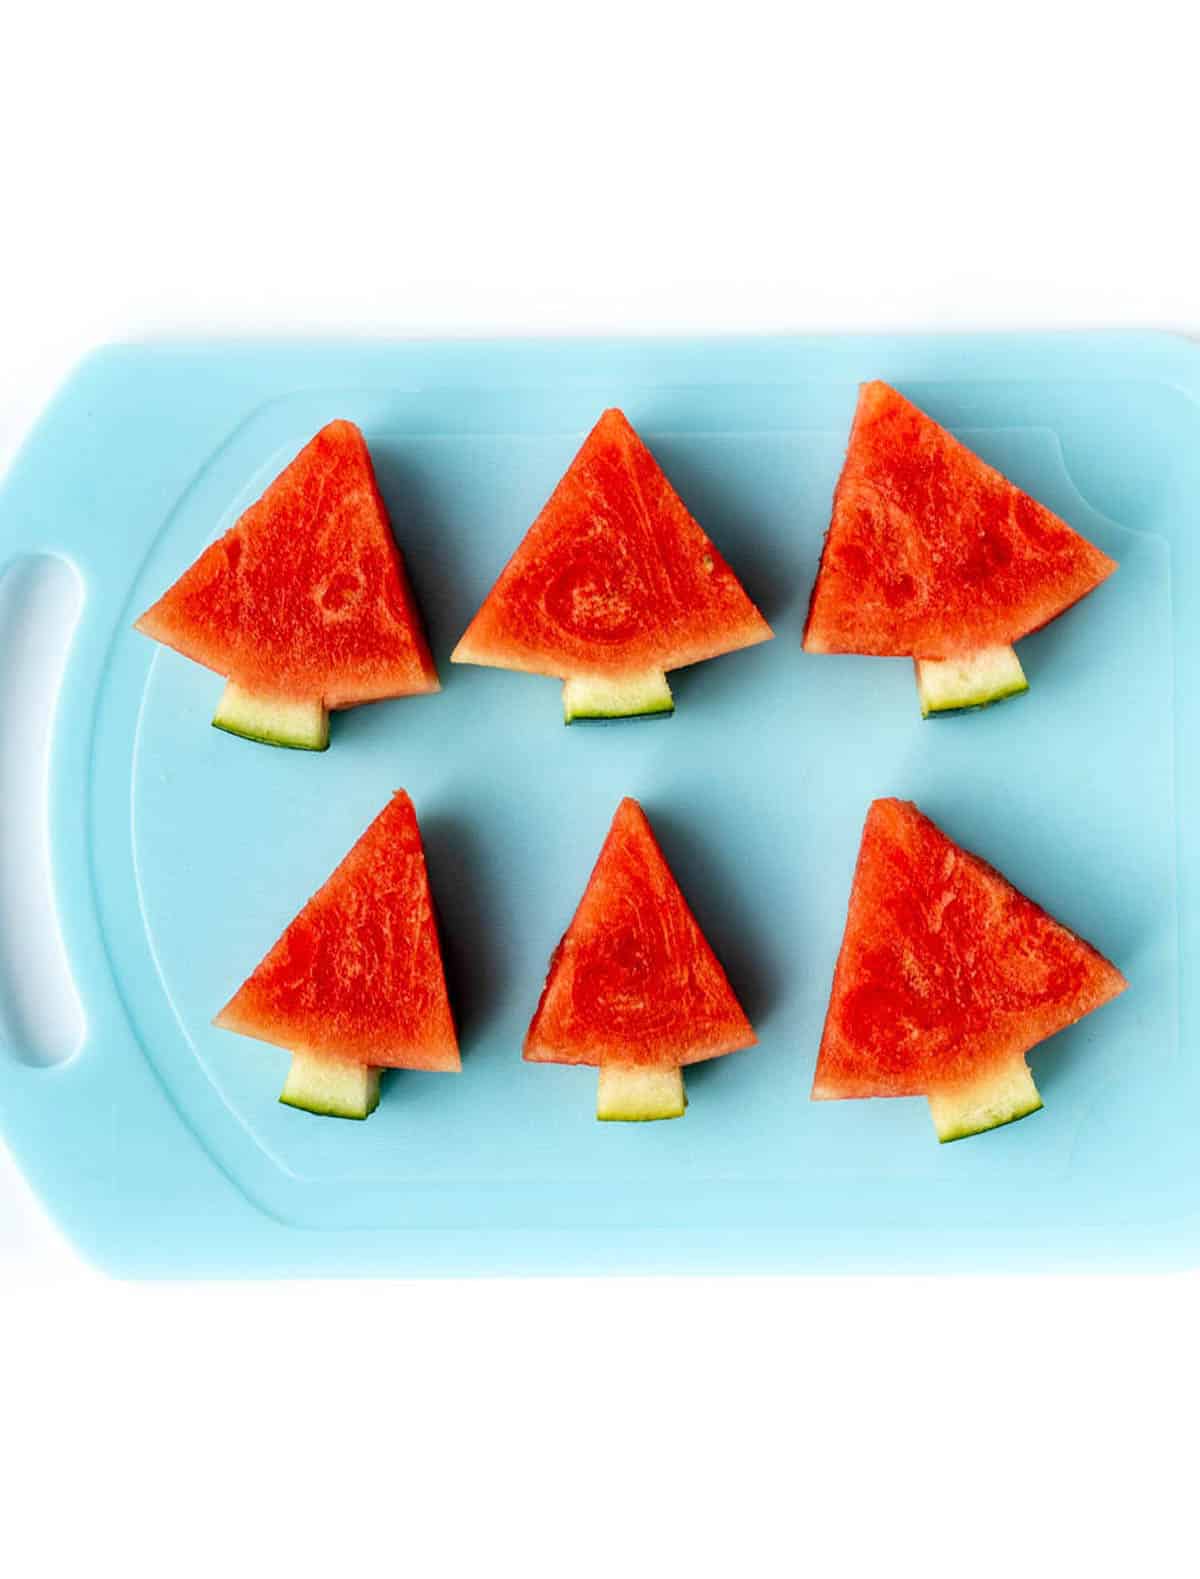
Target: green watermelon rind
{"points": [[603, 697], [330, 1087], [299, 725], [639, 1094], [967, 684], [999, 1097]]}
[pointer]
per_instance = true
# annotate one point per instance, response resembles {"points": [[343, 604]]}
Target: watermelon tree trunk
{"points": [[997, 1097], [617, 696], [331, 1087], [299, 722], [952, 685], [635, 1093]]}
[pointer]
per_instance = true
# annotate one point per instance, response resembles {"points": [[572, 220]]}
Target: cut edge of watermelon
{"points": [[639, 1093], [598, 696], [300, 723], [1000, 1096], [330, 1087], [958, 685]]}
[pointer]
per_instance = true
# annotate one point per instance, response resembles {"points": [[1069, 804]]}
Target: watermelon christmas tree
{"points": [[355, 984], [304, 604], [933, 555], [613, 585], [947, 976], [633, 986]]}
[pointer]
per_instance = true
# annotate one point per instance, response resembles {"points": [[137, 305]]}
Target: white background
{"points": [[603, 167]]}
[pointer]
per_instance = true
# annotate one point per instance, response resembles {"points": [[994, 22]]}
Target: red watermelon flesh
{"points": [[947, 975], [614, 578], [306, 596], [634, 981], [358, 976], [931, 553]]}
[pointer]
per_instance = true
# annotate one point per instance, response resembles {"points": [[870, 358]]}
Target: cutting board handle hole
{"points": [[41, 1018]]}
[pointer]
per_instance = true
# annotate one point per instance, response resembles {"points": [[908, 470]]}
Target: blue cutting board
{"points": [[180, 852]]}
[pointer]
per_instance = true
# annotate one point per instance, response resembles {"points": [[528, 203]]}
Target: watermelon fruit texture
{"points": [[634, 987], [932, 554], [947, 976], [613, 585], [356, 982], [304, 604]]}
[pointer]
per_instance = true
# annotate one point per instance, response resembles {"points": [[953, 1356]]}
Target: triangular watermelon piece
{"points": [[933, 555], [946, 978], [612, 585], [634, 986], [356, 984], [304, 604]]}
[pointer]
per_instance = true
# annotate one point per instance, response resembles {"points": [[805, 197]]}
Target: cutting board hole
{"points": [[41, 1018]]}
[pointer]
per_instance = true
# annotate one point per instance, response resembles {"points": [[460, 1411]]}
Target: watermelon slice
{"points": [[356, 984], [613, 585], [634, 986], [946, 978], [933, 555], [304, 604]]}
